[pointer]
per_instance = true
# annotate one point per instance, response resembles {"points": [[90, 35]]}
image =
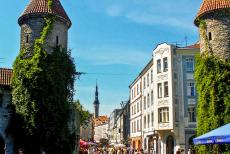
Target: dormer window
{"points": [[209, 36], [57, 40]]}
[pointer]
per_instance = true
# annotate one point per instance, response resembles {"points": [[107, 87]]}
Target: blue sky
{"points": [[111, 40]]}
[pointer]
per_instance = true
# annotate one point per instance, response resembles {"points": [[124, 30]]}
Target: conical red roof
{"points": [[41, 7], [210, 5]]}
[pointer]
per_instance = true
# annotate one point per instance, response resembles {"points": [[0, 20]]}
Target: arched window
{"points": [[27, 38], [209, 36], [170, 145]]}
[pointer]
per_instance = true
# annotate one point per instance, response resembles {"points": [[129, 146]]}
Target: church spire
{"points": [[96, 103]]}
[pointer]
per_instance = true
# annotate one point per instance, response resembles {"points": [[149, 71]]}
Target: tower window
{"points": [[210, 36], [57, 40], [27, 38]]}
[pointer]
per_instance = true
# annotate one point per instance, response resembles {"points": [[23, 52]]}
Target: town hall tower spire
{"points": [[96, 103]]}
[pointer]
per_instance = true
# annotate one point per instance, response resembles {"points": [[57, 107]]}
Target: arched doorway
{"points": [[139, 145], [150, 144], [2, 146], [134, 145], [170, 145]]}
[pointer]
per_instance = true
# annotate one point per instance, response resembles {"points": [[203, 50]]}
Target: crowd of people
{"points": [[109, 150]]}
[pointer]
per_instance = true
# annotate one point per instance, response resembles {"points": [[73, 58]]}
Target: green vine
{"points": [[43, 87], [50, 4], [204, 36], [213, 86]]}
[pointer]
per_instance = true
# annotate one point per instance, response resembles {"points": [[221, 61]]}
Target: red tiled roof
{"points": [[41, 7], [210, 5], [100, 120], [5, 76], [194, 46]]}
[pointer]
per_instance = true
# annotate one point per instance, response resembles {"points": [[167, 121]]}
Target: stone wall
{"points": [[31, 29], [5, 116], [218, 24]]}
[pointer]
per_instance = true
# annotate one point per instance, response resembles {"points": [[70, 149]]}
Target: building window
{"points": [[209, 36], [158, 66], [147, 79], [57, 40], [132, 94], [190, 89], [163, 114], [137, 89], [137, 125], [151, 97], [1, 100], [27, 38], [145, 103], [152, 118], [144, 121], [148, 120], [189, 64], [148, 101], [144, 83], [165, 64], [166, 89], [134, 109], [151, 76], [135, 130], [138, 107], [191, 114], [159, 90]]}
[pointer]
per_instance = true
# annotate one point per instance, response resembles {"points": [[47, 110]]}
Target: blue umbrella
{"points": [[219, 135]]}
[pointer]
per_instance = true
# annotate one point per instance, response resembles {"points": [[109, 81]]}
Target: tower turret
{"points": [[96, 103], [215, 31], [32, 22]]}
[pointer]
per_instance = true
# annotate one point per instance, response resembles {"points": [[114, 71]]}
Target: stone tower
{"points": [[32, 22], [216, 16], [96, 104]]}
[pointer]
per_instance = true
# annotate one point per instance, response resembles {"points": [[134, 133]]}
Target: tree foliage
{"points": [[43, 86], [84, 114]]}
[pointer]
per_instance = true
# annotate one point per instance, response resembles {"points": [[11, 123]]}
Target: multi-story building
{"points": [[136, 113], [168, 100], [175, 97], [125, 123], [147, 102], [112, 128], [100, 128]]}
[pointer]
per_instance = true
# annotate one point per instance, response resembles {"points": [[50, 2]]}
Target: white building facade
{"points": [[101, 132], [136, 113], [168, 99]]}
